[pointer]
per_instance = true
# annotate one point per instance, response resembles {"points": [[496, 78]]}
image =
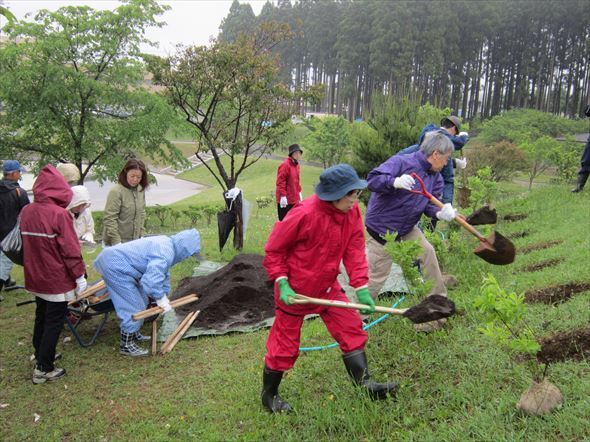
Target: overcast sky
{"points": [[188, 22]]}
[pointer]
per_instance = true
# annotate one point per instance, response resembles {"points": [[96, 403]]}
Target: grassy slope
{"points": [[455, 384]]}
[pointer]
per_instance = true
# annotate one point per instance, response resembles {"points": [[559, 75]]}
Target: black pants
{"points": [[283, 211], [49, 320]]}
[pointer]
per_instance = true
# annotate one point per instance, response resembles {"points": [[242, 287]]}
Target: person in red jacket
{"points": [[288, 190], [54, 268], [303, 255]]}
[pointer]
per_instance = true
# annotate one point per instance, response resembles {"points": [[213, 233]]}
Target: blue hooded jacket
{"points": [[148, 260]]}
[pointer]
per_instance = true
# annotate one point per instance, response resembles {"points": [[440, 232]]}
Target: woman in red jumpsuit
{"points": [[303, 255]]}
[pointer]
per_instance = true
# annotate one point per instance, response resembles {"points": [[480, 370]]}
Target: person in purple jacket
{"points": [[392, 208]]}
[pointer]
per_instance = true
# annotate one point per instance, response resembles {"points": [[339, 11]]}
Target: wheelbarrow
{"points": [[94, 301], [495, 249]]}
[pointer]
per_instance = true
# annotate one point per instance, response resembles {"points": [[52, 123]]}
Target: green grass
{"points": [[455, 384]]}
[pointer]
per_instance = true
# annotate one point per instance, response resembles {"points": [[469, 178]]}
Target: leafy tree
{"points": [[483, 188], [71, 90], [229, 94], [160, 212], [328, 139], [566, 156], [503, 158]]}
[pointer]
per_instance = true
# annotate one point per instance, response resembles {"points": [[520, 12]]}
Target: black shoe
{"points": [[356, 366], [582, 178], [270, 392]]}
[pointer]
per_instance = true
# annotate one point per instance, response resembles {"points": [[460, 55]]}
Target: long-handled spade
{"points": [[495, 249], [430, 309]]}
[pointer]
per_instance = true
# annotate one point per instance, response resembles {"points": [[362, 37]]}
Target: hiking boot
{"points": [[356, 366], [33, 359], [141, 338], [270, 392], [432, 326], [40, 377], [128, 346]]}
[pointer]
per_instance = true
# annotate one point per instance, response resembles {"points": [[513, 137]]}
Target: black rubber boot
{"points": [[356, 366], [582, 178], [270, 391]]}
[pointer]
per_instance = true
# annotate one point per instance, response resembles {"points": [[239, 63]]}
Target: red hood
{"points": [[51, 188]]}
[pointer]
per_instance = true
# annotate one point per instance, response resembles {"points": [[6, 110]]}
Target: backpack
{"points": [[12, 244]]}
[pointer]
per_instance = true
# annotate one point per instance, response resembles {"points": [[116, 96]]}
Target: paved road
{"points": [[168, 190]]}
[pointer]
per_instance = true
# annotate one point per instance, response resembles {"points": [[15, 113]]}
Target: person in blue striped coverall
{"points": [[137, 270]]}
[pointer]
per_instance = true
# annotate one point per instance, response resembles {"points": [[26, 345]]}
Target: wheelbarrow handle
{"points": [[302, 299], [439, 204]]}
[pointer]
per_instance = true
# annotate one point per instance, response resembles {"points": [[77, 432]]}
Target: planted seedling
{"points": [[504, 316]]}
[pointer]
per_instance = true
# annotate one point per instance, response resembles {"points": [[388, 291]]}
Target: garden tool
{"points": [[157, 310], [495, 249], [430, 309]]}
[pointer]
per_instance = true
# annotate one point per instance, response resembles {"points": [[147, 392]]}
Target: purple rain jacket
{"points": [[398, 210]]}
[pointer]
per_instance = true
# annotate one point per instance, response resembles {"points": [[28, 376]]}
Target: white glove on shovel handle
{"points": [[447, 213], [283, 202], [164, 304], [404, 182]]}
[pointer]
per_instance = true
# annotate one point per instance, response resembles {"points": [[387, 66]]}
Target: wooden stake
{"points": [[157, 310], [181, 332], [154, 336], [175, 332], [89, 292]]}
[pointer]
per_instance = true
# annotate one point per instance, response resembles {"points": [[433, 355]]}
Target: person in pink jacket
{"points": [[303, 255], [288, 189], [54, 268]]}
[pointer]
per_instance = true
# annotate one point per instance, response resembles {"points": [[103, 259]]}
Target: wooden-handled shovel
{"points": [[495, 249], [430, 309]]}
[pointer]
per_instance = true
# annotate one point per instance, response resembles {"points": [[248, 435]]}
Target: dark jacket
{"points": [[11, 203], [52, 257], [398, 210]]}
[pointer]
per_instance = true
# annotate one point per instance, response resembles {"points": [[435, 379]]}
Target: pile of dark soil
{"points": [[541, 265], [483, 216], [570, 345], [236, 295], [540, 246], [556, 294], [515, 217]]}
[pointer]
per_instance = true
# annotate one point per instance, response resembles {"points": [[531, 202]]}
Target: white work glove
{"points": [[461, 163], [164, 303], [404, 182], [81, 284], [447, 213], [88, 237], [283, 202], [463, 134], [300, 196]]}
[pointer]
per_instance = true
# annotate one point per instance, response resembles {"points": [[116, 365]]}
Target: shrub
{"points": [[503, 158], [483, 188]]}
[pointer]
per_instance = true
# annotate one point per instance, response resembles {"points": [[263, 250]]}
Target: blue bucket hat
{"points": [[12, 166], [337, 181]]}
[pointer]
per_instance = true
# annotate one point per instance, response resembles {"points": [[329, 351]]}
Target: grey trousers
{"points": [[380, 264]]}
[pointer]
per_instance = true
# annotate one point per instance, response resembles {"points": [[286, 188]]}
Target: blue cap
{"points": [[11, 166], [337, 181]]}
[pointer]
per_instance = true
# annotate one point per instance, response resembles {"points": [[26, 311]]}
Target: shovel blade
{"points": [[430, 309], [497, 249]]}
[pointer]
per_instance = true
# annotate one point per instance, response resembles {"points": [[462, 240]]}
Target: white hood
{"points": [[81, 196]]}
